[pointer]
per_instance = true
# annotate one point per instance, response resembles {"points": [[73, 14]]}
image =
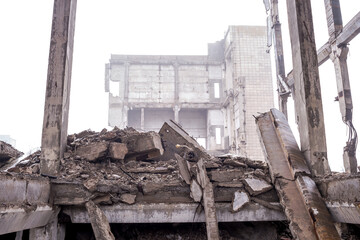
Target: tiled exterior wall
{"points": [[253, 81]]}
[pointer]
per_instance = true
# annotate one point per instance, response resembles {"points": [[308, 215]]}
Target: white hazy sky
{"points": [[137, 27]]}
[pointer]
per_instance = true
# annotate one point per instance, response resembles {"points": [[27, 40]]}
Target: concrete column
{"points": [[125, 116], [142, 119], [176, 95], [176, 113], [339, 56], [279, 57], [19, 235], [126, 89], [308, 104], [48, 232], [57, 97]]}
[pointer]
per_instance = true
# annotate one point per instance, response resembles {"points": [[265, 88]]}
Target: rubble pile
{"points": [[8, 155], [123, 165]]}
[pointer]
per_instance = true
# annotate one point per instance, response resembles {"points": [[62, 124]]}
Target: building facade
{"points": [[213, 97]]}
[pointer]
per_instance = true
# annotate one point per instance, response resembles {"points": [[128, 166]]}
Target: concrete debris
{"points": [[8, 154], [117, 151], [92, 152], [256, 186], [96, 166], [240, 199], [183, 169], [195, 191], [128, 198], [99, 222]]}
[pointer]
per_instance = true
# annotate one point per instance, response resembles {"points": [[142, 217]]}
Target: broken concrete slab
{"points": [[234, 163], [174, 213], [17, 218], [256, 186], [8, 155], [225, 175], [240, 199], [92, 151], [183, 168], [172, 134], [99, 222], [117, 151], [143, 146], [195, 191], [128, 198]]}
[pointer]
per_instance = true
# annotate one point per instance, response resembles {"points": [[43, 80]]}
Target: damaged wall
{"points": [[229, 85]]}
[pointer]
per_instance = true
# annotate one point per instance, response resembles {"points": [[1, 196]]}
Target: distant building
{"points": [[214, 97], [8, 139]]}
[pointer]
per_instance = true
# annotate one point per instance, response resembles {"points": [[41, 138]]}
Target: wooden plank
{"points": [[308, 104], [56, 110]]}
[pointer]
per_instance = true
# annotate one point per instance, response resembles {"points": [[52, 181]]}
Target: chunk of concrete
{"points": [[93, 151], [128, 198], [143, 146], [256, 186], [117, 150], [225, 175], [234, 163], [240, 199], [195, 191], [8, 154], [183, 168], [99, 222]]}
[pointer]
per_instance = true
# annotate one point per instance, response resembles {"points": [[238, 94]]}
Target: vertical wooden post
{"points": [[308, 105], [57, 99]]}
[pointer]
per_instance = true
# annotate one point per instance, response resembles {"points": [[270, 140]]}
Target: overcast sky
{"points": [[136, 27]]}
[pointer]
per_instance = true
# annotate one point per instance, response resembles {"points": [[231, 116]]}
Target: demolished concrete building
{"points": [[133, 185], [214, 97]]}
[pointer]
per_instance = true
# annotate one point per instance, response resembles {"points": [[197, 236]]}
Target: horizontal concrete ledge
{"points": [[175, 213], [18, 190], [16, 218], [344, 212]]}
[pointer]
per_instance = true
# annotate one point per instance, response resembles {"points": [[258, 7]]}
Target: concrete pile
{"points": [[124, 167], [128, 166]]}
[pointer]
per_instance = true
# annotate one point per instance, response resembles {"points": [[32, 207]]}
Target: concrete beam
{"points": [[351, 30], [344, 212], [175, 213], [18, 218], [36, 191], [48, 232], [57, 96], [308, 104]]}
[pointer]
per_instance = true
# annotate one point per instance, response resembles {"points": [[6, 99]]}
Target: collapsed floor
{"points": [[150, 178]]}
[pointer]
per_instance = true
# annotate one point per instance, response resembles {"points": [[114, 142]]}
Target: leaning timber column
{"points": [[308, 105], [57, 97], [339, 56]]}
